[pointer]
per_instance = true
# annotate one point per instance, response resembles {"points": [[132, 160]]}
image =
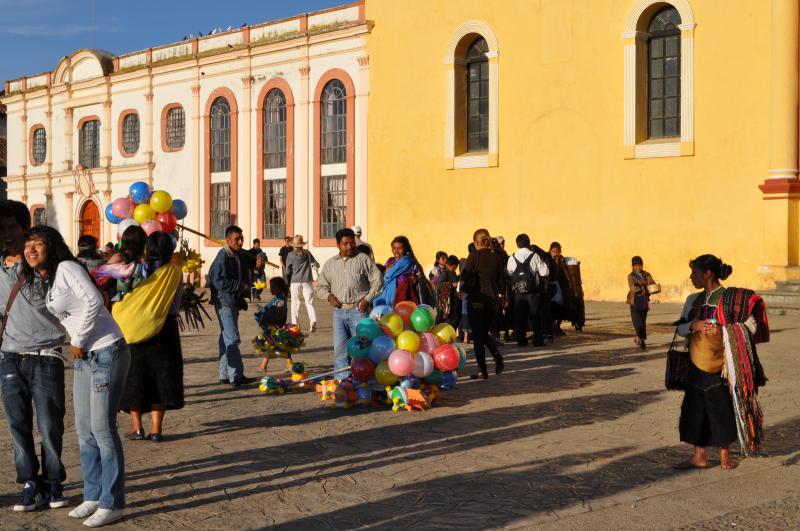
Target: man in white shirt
{"points": [[526, 268], [359, 242]]}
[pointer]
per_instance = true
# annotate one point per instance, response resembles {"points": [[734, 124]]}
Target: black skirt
{"points": [[156, 372], [707, 416]]}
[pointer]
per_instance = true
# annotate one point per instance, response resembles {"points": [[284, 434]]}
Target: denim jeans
{"points": [[230, 358], [344, 327], [38, 379], [96, 392]]}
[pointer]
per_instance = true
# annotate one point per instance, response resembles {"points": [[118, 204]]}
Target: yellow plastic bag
{"points": [[141, 314]]}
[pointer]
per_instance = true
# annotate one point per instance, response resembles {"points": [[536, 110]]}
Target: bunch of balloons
{"points": [[400, 349], [278, 342], [153, 210]]}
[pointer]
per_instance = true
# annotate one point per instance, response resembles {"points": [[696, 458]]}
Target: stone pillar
{"points": [[23, 144], [246, 206], [49, 136], [196, 206], [70, 225], [303, 199], [148, 135], [361, 178], [781, 189], [107, 234], [105, 141], [69, 131]]}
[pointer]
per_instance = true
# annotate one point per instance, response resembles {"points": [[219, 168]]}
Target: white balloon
{"points": [[125, 223], [423, 365]]}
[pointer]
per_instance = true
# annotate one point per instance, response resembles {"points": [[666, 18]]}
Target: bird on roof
{"points": [[229, 28], [199, 33]]}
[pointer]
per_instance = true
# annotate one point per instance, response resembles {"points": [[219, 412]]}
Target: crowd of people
{"points": [[49, 295]]}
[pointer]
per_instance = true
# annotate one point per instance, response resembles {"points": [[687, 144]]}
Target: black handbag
{"points": [[676, 376], [425, 292]]}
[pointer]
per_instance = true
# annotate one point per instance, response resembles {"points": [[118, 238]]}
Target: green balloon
{"points": [[422, 320], [368, 329]]}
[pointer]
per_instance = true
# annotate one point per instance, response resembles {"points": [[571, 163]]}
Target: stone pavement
{"points": [[579, 435]]}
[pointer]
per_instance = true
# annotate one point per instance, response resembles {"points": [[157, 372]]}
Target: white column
{"points": [[361, 136], [148, 133], [246, 206], [198, 204], [69, 127], [302, 177]]}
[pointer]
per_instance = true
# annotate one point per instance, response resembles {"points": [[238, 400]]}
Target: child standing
{"points": [[274, 313]]}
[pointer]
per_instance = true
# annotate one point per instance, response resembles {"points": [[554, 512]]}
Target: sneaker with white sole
{"points": [[103, 517], [31, 498], [55, 495], [313, 327], [84, 510]]}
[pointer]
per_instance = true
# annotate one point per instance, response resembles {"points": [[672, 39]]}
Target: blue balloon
{"points": [[379, 311], [110, 215], [179, 209], [381, 347], [140, 192], [449, 380], [410, 382]]}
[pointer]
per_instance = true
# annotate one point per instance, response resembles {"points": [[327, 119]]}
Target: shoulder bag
{"points": [[676, 376], [13, 295]]}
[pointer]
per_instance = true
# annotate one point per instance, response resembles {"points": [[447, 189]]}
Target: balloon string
{"points": [[220, 242]]}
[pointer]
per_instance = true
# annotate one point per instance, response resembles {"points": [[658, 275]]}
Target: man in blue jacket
{"points": [[227, 279]]}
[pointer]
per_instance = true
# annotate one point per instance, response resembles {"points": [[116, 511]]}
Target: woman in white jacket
{"points": [[101, 360]]}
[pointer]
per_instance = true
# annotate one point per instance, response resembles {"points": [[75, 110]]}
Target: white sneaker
{"points": [[103, 517], [84, 510], [313, 327]]}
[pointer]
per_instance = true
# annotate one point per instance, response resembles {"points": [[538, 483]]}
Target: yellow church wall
{"points": [[562, 172]]}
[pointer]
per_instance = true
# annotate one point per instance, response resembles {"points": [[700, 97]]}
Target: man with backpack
{"points": [[527, 270]]}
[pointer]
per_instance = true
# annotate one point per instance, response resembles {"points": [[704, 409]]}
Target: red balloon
{"points": [[168, 221], [446, 358], [363, 369], [404, 309]]}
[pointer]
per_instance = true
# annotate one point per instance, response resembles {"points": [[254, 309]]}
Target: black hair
{"points": [[709, 262], [57, 251], [278, 284], [637, 260], [343, 233], [407, 248], [133, 243], [440, 254], [18, 211], [159, 250], [87, 247], [555, 245], [471, 248], [231, 229], [110, 244], [256, 240], [523, 240], [452, 260], [363, 249]]}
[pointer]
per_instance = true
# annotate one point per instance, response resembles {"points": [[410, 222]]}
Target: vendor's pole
{"points": [[310, 378], [219, 242]]}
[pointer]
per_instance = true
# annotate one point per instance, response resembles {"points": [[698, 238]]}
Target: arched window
{"points": [[39, 146], [175, 128], [334, 123], [89, 144], [664, 74], [275, 130], [130, 133], [39, 216], [220, 135], [477, 119]]}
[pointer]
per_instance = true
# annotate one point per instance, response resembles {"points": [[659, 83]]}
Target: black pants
{"points": [[481, 316], [707, 416], [639, 319], [526, 310]]}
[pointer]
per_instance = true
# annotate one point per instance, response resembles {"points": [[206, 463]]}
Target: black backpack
{"points": [[522, 279]]}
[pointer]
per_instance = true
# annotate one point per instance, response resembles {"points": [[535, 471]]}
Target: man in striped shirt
{"points": [[348, 281]]}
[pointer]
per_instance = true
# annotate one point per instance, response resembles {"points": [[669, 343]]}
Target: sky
{"points": [[35, 34]]}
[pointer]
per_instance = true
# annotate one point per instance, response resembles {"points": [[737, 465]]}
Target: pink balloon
{"points": [[428, 342], [400, 363], [122, 208], [151, 226]]}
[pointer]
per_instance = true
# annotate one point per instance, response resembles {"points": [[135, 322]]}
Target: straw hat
{"points": [[298, 241]]}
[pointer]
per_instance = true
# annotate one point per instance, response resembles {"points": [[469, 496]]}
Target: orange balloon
{"points": [[404, 309]]}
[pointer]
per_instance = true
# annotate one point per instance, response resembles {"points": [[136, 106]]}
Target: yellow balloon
{"points": [[161, 201], [383, 375], [444, 332], [408, 340], [392, 324], [143, 212]]}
